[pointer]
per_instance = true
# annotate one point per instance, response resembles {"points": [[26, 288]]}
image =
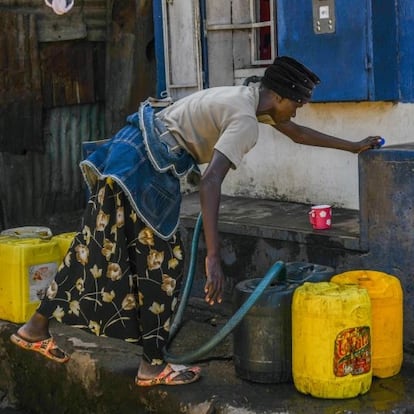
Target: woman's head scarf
{"points": [[290, 79]]}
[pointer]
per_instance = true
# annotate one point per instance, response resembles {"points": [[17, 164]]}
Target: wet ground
{"points": [[392, 395], [220, 389]]}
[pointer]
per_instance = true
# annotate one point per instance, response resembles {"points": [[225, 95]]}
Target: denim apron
{"points": [[147, 165]]}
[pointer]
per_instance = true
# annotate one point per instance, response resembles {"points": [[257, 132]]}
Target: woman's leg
{"points": [[160, 274], [159, 266], [159, 281], [78, 294]]}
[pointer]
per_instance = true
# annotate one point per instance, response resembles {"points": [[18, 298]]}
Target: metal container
{"points": [[262, 341]]}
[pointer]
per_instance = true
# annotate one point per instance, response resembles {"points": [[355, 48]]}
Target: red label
{"points": [[352, 351]]}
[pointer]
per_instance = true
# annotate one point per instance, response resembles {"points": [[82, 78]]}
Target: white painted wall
{"points": [[277, 168]]}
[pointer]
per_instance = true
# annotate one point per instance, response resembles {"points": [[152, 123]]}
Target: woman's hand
{"points": [[215, 281], [368, 143]]}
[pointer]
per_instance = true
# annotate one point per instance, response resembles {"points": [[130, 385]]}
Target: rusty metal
{"points": [[20, 94], [35, 185]]}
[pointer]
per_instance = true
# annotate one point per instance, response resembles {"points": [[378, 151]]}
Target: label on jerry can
{"points": [[40, 277], [352, 353]]}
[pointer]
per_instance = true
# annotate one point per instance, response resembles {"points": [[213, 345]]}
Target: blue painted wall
{"points": [[406, 50], [358, 61], [369, 57]]}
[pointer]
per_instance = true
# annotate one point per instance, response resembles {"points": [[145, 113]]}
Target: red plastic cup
{"points": [[321, 217]]}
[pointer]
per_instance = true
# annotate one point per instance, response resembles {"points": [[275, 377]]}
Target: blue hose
{"points": [[276, 269]]}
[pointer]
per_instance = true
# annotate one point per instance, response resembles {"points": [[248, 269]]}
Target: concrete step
{"points": [[99, 378]]}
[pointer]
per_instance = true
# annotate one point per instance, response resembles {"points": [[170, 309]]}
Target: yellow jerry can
{"points": [[64, 240], [387, 318], [331, 340], [27, 267]]}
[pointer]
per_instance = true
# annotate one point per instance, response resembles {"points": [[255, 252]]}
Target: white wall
{"points": [[277, 168]]}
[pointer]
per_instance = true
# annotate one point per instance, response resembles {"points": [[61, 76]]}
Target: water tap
{"points": [[379, 144]]}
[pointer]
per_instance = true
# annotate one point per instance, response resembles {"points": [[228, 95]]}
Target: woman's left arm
{"points": [[308, 136]]}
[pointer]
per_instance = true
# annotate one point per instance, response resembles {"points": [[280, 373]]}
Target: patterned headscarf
{"points": [[290, 79]]}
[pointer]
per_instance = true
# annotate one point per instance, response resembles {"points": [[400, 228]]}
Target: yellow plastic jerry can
{"points": [[64, 240], [331, 340], [387, 318], [27, 267]]}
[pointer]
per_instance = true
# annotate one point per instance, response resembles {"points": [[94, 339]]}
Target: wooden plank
{"points": [[241, 38], [131, 71], [220, 44], [67, 73], [86, 20], [99, 59], [20, 94], [53, 28], [182, 35]]}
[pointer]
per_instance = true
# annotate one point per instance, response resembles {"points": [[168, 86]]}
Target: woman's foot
{"points": [[34, 335], [35, 329], [46, 347], [166, 374], [148, 371]]}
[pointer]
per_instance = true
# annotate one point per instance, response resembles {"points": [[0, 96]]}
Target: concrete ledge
{"points": [[256, 233], [99, 379], [278, 220]]}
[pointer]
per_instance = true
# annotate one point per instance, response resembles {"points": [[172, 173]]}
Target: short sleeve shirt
{"points": [[221, 118]]}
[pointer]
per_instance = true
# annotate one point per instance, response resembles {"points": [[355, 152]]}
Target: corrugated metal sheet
{"points": [[35, 185], [72, 73]]}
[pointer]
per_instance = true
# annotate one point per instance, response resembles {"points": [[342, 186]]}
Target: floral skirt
{"points": [[118, 278]]}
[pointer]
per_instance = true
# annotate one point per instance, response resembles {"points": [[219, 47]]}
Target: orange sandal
{"points": [[168, 376], [42, 347]]}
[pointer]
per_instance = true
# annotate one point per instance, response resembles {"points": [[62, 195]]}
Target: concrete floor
{"points": [[220, 390], [102, 370]]}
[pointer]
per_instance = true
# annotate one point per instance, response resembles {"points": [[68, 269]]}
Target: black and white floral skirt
{"points": [[118, 278]]}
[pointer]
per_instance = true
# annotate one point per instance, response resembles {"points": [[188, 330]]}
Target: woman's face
{"points": [[284, 109]]}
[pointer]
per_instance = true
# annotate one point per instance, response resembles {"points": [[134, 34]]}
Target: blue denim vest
{"points": [[145, 168]]}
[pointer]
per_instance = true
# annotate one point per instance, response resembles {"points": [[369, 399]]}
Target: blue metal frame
{"points": [[204, 46], [159, 47]]}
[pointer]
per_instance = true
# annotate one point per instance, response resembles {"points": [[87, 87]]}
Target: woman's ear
{"points": [[268, 101], [277, 97]]}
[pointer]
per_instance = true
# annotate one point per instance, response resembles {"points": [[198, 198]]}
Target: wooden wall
{"points": [[228, 47], [65, 79]]}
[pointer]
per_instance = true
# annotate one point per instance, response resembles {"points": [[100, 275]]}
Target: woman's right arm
{"points": [[210, 194]]}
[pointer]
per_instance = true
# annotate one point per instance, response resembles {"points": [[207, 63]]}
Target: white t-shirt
{"points": [[221, 118]]}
